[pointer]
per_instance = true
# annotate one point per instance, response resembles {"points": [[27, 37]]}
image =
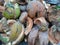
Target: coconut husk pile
{"points": [[33, 21]]}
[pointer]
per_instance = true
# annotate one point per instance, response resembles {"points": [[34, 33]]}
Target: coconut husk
{"points": [[35, 37], [29, 26], [53, 37], [42, 22], [32, 36], [35, 9], [17, 33]]}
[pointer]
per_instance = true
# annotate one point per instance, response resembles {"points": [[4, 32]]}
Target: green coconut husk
{"points": [[12, 11], [16, 30]]}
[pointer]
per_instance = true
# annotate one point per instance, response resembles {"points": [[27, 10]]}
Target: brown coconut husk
{"points": [[35, 37], [40, 21], [35, 9], [54, 38], [29, 25]]}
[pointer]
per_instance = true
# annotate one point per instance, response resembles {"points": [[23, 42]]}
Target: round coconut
{"points": [[12, 11]]}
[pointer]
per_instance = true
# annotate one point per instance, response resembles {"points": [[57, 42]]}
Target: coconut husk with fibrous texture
{"points": [[16, 28], [17, 32], [53, 37], [54, 33], [35, 9], [42, 23], [35, 37], [29, 25], [53, 14], [43, 30], [20, 37]]}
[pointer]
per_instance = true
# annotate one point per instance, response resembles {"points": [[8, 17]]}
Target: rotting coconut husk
{"points": [[35, 37]]}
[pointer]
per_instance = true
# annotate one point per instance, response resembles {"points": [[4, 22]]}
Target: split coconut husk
{"points": [[35, 37], [35, 9], [42, 23], [29, 26]]}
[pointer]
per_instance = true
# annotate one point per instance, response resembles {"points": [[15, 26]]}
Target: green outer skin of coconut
{"points": [[14, 36], [22, 37], [11, 16]]}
